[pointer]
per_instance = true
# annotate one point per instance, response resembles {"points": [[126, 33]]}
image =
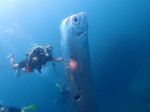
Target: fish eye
{"points": [[75, 19]]}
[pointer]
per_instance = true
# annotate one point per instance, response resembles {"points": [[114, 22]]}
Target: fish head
{"points": [[78, 24]]}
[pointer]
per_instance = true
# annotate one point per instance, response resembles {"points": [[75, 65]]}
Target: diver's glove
{"points": [[10, 56], [30, 108]]}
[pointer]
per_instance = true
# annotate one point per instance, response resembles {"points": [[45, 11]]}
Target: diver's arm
{"points": [[57, 59]]}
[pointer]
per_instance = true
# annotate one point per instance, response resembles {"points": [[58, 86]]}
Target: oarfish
{"points": [[75, 53]]}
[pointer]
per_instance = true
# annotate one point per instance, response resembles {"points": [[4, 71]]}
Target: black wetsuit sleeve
{"points": [[22, 64]]}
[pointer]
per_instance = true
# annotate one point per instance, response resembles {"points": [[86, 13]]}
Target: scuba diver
{"points": [[16, 109], [36, 59], [65, 94]]}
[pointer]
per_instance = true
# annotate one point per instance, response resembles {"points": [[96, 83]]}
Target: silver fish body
{"points": [[75, 53]]}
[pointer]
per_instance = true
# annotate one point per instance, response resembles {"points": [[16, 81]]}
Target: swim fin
{"points": [[31, 107], [18, 73]]}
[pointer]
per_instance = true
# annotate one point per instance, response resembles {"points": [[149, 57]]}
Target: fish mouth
{"points": [[81, 34]]}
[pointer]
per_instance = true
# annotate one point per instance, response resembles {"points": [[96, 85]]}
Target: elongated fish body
{"points": [[75, 53]]}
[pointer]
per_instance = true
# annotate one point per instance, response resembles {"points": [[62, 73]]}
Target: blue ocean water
{"points": [[119, 41]]}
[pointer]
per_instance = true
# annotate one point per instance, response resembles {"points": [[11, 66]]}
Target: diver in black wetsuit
{"points": [[36, 59]]}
